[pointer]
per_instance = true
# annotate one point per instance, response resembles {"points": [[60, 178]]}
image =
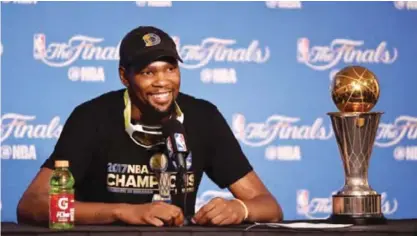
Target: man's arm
{"points": [[76, 143], [262, 206], [33, 208], [229, 167]]}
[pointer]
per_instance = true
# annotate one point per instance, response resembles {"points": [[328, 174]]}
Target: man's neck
{"points": [[135, 113]]}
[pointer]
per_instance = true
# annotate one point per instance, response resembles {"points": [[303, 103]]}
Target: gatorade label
{"points": [[61, 208]]}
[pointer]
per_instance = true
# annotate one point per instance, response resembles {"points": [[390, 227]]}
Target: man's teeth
{"points": [[161, 95]]}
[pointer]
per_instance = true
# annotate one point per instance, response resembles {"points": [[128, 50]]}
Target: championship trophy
{"points": [[159, 163], [355, 91]]}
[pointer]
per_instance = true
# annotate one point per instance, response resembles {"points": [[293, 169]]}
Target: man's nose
{"points": [[161, 80]]}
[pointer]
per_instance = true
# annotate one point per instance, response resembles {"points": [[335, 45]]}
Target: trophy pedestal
{"points": [[357, 220], [357, 210]]}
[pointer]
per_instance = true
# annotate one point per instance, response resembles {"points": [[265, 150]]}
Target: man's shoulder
{"points": [[103, 102]]}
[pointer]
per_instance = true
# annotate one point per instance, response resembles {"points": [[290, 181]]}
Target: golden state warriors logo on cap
{"points": [[151, 39]]}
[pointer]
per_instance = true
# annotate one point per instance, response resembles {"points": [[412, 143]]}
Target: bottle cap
{"points": [[61, 163]]}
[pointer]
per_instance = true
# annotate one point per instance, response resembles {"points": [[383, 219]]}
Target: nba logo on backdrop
{"points": [[238, 126], [302, 201], [344, 51], [39, 46], [303, 49], [78, 47]]}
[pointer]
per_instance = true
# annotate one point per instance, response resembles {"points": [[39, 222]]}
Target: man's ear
{"points": [[123, 74]]}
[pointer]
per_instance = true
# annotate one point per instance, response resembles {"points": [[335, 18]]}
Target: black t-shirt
{"points": [[109, 167]]}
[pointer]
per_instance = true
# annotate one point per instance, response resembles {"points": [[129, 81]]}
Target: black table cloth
{"points": [[393, 227]]}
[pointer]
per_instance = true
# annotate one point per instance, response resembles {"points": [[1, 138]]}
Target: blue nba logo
{"points": [[179, 139], [238, 125], [303, 54], [302, 201], [39, 46]]}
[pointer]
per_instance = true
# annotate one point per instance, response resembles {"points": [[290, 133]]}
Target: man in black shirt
{"points": [[115, 149]]}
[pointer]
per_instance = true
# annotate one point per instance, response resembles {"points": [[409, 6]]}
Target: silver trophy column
{"points": [[356, 202]]}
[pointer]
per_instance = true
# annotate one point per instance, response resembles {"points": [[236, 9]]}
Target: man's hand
{"points": [[220, 211], [155, 213]]}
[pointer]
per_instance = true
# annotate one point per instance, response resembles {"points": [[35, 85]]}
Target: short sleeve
{"points": [[76, 143], [227, 163]]}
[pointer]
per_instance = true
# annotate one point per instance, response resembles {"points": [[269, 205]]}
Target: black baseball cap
{"points": [[145, 44]]}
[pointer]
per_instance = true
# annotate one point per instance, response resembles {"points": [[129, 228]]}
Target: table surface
{"points": [[393, 227]]}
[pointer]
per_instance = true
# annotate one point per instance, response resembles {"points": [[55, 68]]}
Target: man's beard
{"points": [[149, 115]]}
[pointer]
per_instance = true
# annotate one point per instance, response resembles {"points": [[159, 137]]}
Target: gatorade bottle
{"points": [[61, 197]]}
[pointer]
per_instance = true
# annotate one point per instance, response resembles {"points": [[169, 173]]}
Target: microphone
{"points": [[174, 133]]}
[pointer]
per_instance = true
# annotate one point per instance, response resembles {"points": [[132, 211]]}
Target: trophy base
{"points": [[357, 210], [357, 220]]}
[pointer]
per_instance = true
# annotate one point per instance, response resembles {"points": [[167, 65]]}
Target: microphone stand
{"points": [[181, 182]]}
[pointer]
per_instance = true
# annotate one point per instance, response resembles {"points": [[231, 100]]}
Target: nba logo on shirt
{"points": [[180, 141], [303, 45], [39, 46], [302, 201]]}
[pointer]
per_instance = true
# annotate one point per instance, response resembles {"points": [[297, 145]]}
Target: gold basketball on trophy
{"points": [[355, 89]]}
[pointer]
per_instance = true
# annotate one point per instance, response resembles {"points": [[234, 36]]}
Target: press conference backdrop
{"points": [[266, 65]]}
